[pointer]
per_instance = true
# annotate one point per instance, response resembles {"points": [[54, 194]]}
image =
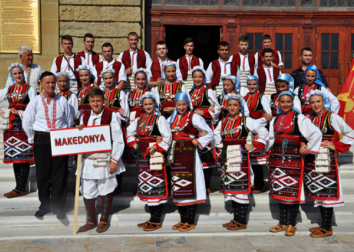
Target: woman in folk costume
{"points": [[230, 86], [86, 79], [17, 150], [313, 81], [188, 185], [116, 100], [236, 169], [322, 178], [63, 83], [169, 89], [286, 164], [143, 134], [285, 82], [206, 105], [134, 97], [259, 107]]}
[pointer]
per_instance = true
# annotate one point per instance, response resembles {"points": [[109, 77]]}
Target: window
{"points": [[329, 51], [284, 44], [155, 2], [308, 3], [255, 41], [231, 2], [269, 3], [336, 3], [193, 2]]}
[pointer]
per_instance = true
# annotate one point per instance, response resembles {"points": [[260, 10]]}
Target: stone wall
{"points": [[108, 20]]}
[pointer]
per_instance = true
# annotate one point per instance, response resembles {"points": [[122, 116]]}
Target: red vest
{"points": [[217, 72], [141, 58], [77, 63], [95, 57], [189, 128], [261, 61], [116, 67], [105, 120], [262, 78], [156, 70], [183, 65], [251, 61]]}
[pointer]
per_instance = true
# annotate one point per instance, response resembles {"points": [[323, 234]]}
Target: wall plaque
{"points": [[20, 25]]}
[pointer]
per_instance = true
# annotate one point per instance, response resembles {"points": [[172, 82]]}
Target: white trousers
{"points": [[92, 188]]}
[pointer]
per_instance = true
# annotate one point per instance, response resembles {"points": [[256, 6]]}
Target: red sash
{"points": [[141, 58], [183, 65]]}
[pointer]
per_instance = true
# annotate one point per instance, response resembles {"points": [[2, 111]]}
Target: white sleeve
{"points": [[280, 60], [217, 134], [32, 95], [296, 92], [117, 139], [335, 105], [214, 101], [100, 58], [148, 59], [342, 128], [246, 110], [120, 57], [185, 90], [54, 68], [209, 73], [200, 124], [149, 76], [157, 97], [266, 108], [123, 101], [179, 74], [255, 62], [297, 103], [201, 63], [28, 120], [122, 74], [256, 128], [3, 95], [165, 130], [271, 134], [131, 131], [73, 102], [94, 72], [68, 113], [310, 132], [8, 82]]}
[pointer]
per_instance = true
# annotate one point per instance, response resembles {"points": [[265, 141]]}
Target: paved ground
{"points": [[183, 244]]}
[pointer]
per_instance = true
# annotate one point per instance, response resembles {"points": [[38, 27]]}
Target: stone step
{"points": [[65, 232], [128, 199], [206, 215]]}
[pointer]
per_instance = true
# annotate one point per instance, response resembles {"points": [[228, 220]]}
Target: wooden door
{"points": [[329, 58], [349, 51], [254, 35], [286, 41]]}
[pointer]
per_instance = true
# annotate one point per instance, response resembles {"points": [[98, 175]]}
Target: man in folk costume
{"points": [[267, 74], [116, 100], [91, 57], [186, 63], [99, 169], [32, 71], [267, 44], [259, 107], [245, 63], [221, 66], [323, 182], [68, 62], [156, 67], [48, 111], [109, 63], [17, 149], [133, 58]]}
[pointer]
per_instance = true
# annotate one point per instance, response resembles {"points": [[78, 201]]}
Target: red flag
{"points": [[346, 100]]}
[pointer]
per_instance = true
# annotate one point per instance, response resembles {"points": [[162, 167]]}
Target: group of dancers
{"points": [[229, 118]]}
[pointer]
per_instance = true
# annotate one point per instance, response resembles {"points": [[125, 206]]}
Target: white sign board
{"points": [[72, 141]]}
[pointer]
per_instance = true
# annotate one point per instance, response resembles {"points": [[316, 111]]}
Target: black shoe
{"points": [[61, 216], [40, 213]]}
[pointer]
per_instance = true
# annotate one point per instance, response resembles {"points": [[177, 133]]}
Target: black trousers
{"points": [[52, 174]]}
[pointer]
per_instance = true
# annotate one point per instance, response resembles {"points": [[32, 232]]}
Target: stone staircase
{"points": [[17, 215]]}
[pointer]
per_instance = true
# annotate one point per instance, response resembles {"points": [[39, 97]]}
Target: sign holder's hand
{"points": [[112, 167]]}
